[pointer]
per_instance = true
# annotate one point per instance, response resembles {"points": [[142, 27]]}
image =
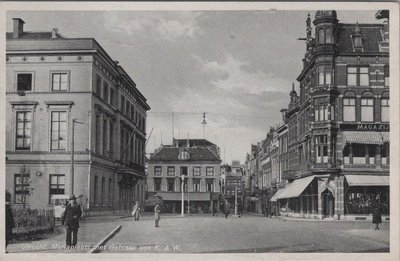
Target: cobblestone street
{"points": [[208, 234]]}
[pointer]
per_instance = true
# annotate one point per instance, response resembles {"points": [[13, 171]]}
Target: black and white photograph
{"points": [[240, 130]]}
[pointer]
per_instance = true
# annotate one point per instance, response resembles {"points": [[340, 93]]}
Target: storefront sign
{"points": [[365, 127]]}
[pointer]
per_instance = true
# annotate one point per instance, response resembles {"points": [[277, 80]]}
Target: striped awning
{"points": [[276, 195], [294, 189], [366, 137], [367, 180]]}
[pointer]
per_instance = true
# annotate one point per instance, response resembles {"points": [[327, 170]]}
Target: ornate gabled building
{"points": [[338, 125], [76, 123]]}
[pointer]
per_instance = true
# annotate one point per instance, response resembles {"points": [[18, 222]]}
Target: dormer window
{"points": [[184, 154]]}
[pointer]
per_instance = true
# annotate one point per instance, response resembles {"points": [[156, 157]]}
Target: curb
{"points": [[100, 245]]}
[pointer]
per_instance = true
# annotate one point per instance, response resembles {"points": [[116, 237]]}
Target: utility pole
{"points": [[72, 155], [173, 126], [204, 124]]}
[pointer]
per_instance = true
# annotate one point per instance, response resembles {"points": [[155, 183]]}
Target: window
{"points": [[23, 135], [110, 191], [387, 78], [324, 74], [103, 190], [58, 130], [210, 185], [196, 185], [123, 104], [171, 171], [358, 76], [184, 154], [105, 91], [132, 113], [184, 171], [98, 85], [349, 109], [157, 184], [321, 110], [367, 109], [196, 171], [210, 171], [385, 115], [24, 82], [328, 36], [57, 185], [385, 153], [105, 136], [112, 97], [59, 81], [171, 184], [359, 152], [111, 139], [364, 76], [321, 36], [371, 153], [98, 134], [21, 188], [321, 147], [128, 107], [157, 171], [95, 199]]}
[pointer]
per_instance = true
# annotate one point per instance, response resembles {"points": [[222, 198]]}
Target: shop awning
{"points": [[367, 180], [294, 189], [276, 195], [366, 137]]}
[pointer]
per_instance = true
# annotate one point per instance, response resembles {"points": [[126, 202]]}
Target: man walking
{"points": [[226, 209], [70, 219], [136, 211], [157, 210]]}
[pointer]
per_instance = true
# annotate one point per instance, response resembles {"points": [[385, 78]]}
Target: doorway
{"points": [[328, 203]]}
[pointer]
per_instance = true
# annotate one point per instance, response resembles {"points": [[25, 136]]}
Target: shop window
{"points": [[371, 154], [359, 152], [385, 153], [360, 200]]}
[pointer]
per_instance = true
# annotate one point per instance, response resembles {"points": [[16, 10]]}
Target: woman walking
{"points": [[157, 210], [226, 209], [136, 211]]}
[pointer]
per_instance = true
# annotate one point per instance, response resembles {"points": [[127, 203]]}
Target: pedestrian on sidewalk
{"points": [[226, 208], [157, 215], [377, 213], [136, 211], [70, 219], [9, 219]]}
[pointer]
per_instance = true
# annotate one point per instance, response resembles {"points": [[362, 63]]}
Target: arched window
{"points": [[328, 36], [321, 36]]}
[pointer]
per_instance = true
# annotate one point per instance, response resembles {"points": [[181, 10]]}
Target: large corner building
{"points": [[75, 123]]}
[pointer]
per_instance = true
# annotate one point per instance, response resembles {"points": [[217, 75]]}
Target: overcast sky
{"points": [[237, 66]]}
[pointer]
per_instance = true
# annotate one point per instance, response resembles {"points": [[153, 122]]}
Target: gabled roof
{"points": [[371, 32], [167, 154]]}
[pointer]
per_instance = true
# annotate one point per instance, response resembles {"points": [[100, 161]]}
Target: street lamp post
{"points": [[183, 202], [72, 154], [236, 203]]}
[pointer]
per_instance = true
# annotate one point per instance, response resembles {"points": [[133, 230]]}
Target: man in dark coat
{"points": [[70, 219], [9, 219], [157, 215]]}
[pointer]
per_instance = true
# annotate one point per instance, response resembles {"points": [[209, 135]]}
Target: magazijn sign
{"points": [[365, 127]]}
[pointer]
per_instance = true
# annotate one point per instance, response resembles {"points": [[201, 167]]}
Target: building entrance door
{"points": [[328, 204]]}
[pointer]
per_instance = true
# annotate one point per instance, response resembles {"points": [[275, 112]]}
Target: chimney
{"points": [[54, 33], [18, 27]]}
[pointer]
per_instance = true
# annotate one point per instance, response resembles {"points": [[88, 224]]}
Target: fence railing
{"points": [[32, 221]]}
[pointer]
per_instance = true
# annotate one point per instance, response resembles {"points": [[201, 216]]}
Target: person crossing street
{"points": [[70, 219]]}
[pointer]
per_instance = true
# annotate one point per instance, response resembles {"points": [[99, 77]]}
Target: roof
{"points": [[167, 154], [33, 36], [371, 32], [192, 142]]}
